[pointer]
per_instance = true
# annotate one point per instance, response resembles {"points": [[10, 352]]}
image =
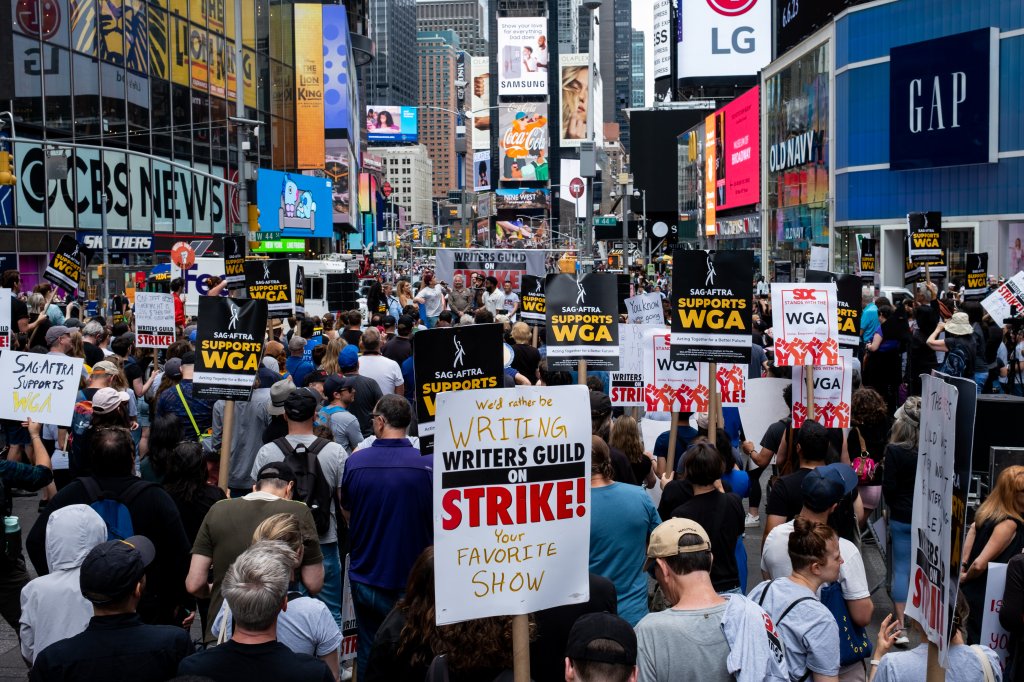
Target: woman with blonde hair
{"points": [[525, 358], [626, 437], [330, 363], [306, 626], [404, 293], [994, 537]]}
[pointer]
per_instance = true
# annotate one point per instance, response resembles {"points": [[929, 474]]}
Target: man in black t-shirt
{"points": [[11, 279]]}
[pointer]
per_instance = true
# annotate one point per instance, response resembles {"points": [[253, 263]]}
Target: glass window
{"points": [[161, 130], [87, 98], [182, 121]]}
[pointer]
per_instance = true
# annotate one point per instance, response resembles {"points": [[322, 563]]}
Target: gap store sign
{"points": [[944, 101]]}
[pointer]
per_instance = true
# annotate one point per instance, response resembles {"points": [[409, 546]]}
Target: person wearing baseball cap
{"points": [[58, 339], [367, 390], [297, 364], [195, 415], [116, 645], [601, 646], [703, 635], [340, 393]]}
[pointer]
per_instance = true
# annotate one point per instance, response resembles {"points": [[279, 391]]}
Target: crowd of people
{"points": [[139, 543]]}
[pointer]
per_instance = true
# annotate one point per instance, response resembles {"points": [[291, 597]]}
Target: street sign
{"points": [[264, 236], [605, 221], [576, 188], [183, 255]]}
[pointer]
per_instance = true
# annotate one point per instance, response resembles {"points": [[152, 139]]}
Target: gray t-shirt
{"points": [[332, 461], [345, 428], [964, 665], [679, 645], [809, 631], [306, 627]]}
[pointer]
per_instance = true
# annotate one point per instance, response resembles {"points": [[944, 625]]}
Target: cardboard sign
{"points": [[819, 258], [1007, 300], [582, 321], [848, 302], [349, 628], [681, 385], [532, 308], [154, 320], [993, 634], [832, 389], [627, 385], [925, 233], [234, 261], [268, 280], [806, 324], [915, 272], [5, 318], [511, 501], [65, 269], [41, 387], [229, 345], [300, 292], [645, 309], [976, 286], [453, 359], [711, 315], [868, 256]]}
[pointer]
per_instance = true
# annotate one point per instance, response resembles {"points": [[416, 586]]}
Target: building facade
{"points": [[637, 86], [466, 17], [438, 56], [409, 168], [391, 79]]}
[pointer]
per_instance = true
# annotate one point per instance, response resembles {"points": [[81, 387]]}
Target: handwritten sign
{"points": [[627, 389], [5, 318], [681, 385], [645, 309], [154, 320], [1007, 300], [40, 387], [806, 324], [993, 634], [511, 501], [832, 388]]}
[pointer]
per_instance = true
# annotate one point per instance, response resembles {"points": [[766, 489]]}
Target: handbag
{"points": [[863, 464], [854, 643]]}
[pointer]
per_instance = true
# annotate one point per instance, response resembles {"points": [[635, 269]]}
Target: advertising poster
{"points": [[993, 634], [65, 267], [645, 309], [848, 292], [1007, 300], [832, 389], [806, 318], [662, 36], [925, 233], [338, 168], [520, 199], [523, 141], [718, 38], [234, 261], [503, 264], [154, 320], [582, 321], [976, 286], [293, 204], [627, 385], [229, 345], [268, 280], [574, 71], [42, 388], [511, 501], [710, 175], [479, 100], [338, 95], [5, 318], [522, 56], [481, 170], [868, 256], [391, 124], [309, 85], [711, 295], [532, 310], [682, 385], [453, 359], [940, 504], [740, 161], [300, 292]]}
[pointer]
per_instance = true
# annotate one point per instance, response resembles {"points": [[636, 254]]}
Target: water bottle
{"points": [[12, 537]]}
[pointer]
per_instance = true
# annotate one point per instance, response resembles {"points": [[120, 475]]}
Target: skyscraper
{"points": [[614, 64], [466, 17], [638, 89], [392, 77], [438, 52]]}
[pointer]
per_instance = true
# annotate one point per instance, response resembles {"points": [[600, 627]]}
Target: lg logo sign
{"points": [[724, 37], [742, 36], [731, 8]]}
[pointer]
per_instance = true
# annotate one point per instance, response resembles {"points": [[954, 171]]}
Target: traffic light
{"points": [[7, 176], [398, 242], [415, 234], [254, 224]]}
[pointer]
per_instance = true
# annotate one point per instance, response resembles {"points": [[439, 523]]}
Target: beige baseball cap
{"points": [[665, 540]]}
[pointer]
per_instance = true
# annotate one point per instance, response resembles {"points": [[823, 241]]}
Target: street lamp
{"points": [[591, 6], [642, 195]]}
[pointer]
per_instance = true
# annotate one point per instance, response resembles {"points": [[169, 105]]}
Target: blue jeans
{"points": [[331, 592], [900, 560], [980, 378], [372, 604]]}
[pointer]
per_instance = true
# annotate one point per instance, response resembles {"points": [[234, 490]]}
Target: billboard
{"points": [[521, 198], [739, 162], [309, 85], [723, 38], [479, 101], [296, 205], [574, 72], [662, 36], [338, 95], [523, 141], [522, 56], [481, 170], [338, 167], [391, 124]]}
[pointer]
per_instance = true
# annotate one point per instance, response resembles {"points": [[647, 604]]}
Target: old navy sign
{"points": [[943, 101]]}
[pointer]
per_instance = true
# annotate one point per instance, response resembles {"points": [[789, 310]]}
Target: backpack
{"points": [[785, 612], [955, 362], [854, 643], [311, 486], [113, 509]]}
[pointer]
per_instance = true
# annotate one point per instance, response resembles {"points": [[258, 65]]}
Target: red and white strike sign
{"points": [[183, 255]]}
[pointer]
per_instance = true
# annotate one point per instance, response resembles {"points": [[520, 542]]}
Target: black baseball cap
{"points": [[112, 569], [600, 404], [594, 626], [279, 470], [337, 382], [301, 404], [317, 376]]}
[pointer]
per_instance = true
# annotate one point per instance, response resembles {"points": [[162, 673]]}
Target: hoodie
{"points": [[755, 645], [52, 606]]}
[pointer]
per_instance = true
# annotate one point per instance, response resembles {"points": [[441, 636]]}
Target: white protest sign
{"points": [[511, 501], [5, 318], [627, 385], [763, 408], [832, 388], [645, 309], [1009, 293], [819, 258], [993, 634], [681, 385], [806, 324], [933, 582], [349, 630], [40, 387], [154, 320]]}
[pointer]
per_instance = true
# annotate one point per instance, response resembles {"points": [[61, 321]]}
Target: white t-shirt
{"points": [[494, 301], [433, 299], [384, 371], [510, 302], [852, 577]]}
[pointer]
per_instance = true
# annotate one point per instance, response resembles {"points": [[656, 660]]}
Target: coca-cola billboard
{"points": [[523, 141]]}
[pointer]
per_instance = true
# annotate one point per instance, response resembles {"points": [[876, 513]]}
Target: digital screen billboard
{"points": [[338, 95], [481, 171], [523, 141], [296, 205], [391, 124], [723, 38], [522, 56], [739, 162], [574, 72], [480, 100]]}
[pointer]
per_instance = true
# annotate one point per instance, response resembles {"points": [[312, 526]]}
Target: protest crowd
{"points": [[274, 517]]}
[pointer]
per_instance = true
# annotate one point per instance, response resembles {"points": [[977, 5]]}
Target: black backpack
{"points": [[311, 486]]}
